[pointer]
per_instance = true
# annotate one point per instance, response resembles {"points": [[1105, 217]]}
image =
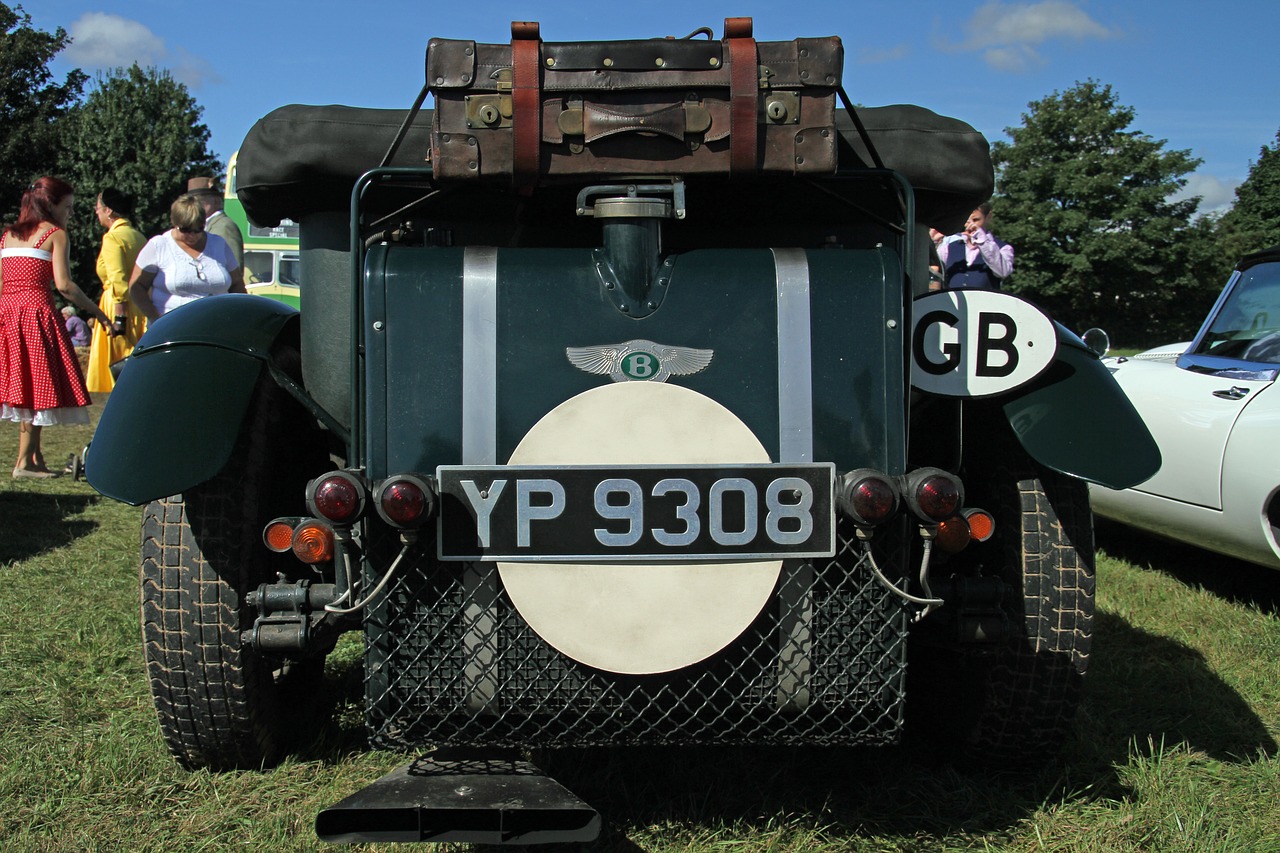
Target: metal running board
{"points": [[475, 796]]}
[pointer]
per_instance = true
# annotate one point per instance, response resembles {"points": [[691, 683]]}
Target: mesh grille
{"points": [[450, 660]]}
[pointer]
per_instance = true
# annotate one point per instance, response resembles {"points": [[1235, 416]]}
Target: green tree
{"points": [[31, 103], [140, 131], [1253, 222], [1087, 204]]}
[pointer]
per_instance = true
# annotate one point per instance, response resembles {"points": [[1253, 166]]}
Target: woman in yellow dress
{"points": [[120, 247]]}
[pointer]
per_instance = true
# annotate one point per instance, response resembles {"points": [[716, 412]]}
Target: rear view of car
{"points": [[617, 412]]}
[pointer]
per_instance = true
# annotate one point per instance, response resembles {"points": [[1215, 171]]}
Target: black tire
{"points": [[1013, 704], [221, 705]]}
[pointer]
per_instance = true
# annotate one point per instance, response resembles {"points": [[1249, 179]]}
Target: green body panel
{"points": [[552, 299], [1075, 419], [173, 417]]}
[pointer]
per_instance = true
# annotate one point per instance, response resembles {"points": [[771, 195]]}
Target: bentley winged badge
{"points": [[639, 360]]}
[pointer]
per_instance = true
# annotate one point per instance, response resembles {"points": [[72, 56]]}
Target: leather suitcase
{"points": [[534, 111]]}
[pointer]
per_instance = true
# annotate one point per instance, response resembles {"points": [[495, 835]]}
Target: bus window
{"points": [[290, 269], [257, 267]]}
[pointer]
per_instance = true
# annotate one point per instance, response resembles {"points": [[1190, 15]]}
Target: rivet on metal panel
{"points": [[467, 51], [715, 60], [659, 62], [804, 75], [608, 63], [551, 62], [377, 325], [893, 324]]}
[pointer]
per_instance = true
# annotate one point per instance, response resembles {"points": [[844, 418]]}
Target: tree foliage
{"points": [[31, 103], [1253, 222], [1087, 204], [137, 130]]}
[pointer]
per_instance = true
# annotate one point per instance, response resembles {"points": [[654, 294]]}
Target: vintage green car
{"points": [[647, 432]]}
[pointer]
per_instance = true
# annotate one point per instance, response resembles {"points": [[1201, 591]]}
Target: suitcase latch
{"points": [[491, 110]]}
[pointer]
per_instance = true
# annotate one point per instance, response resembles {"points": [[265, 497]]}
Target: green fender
{"points": [[1075, 418], [173, 417]]}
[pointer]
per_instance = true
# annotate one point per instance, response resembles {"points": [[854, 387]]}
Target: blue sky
{"points": [[1203, 77]]}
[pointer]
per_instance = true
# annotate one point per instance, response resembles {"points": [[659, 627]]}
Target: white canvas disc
{"points": [[630, 617]]}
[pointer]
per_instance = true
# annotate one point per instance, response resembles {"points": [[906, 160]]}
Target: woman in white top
{"points": [[183, 264]]}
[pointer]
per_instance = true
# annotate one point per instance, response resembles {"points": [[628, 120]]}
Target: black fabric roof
{"points": [[303, 159]]}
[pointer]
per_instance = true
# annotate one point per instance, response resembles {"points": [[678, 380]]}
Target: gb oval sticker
{"points": [[975, 343]]}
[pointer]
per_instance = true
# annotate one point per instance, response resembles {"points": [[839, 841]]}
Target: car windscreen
{"points": [[1247, 325]]}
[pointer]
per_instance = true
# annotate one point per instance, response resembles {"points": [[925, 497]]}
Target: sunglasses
{"points": [[199, 230], [199, 270]]}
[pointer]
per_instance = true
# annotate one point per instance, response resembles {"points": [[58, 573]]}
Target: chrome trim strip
{"points": [[479, 355], [480, 447], [795, 444], [795, 353]]}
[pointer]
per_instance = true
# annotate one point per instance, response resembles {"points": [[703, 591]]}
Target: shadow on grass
{"points": [[32, 523], [1226, 577], [330, 725], [1142, 690]]}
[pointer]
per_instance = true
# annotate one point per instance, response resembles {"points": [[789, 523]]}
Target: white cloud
{"points": [[867, 56], [1216, 195], [1007, 34], [191, 70], [102, 41]]}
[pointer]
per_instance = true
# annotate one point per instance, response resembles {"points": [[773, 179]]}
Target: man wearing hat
{"points": [[216, 221]]}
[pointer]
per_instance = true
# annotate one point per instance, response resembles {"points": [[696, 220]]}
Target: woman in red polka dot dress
{"points": [[40, 379]]}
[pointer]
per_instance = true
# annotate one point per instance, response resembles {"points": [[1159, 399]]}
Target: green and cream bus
{"points": [[271, 259]]}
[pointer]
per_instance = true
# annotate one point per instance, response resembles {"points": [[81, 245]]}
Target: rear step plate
{"points": [[475, 796]]}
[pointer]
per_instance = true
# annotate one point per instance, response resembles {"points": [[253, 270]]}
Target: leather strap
{"points": [[744, 97], [526, 102]]}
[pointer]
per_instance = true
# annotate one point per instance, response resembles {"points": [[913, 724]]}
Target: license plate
{"points": [[646, 512]]}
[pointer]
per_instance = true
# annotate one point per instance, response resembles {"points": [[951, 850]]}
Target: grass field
{"points": [[1175, 748]]}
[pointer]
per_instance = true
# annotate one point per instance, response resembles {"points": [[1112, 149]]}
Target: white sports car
{"points": [[1213, 406]]}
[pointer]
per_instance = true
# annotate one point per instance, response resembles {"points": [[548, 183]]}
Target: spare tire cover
{"points": [[639, 618]]}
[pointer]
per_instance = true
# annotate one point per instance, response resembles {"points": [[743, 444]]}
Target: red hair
{"points": [[38, 203]]}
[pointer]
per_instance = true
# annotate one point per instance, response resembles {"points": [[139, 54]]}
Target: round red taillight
{"points": [[338, 497], [933, 494], [278, 534], [981, 524], [953, 534], [405, 500], [313, 542], [868, 497]]}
